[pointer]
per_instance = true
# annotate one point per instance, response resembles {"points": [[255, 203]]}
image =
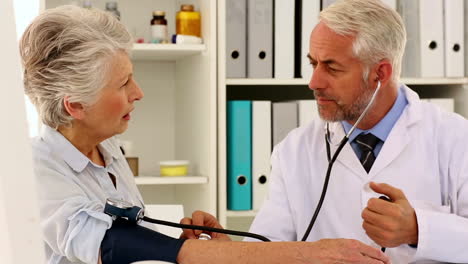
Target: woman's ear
{"points": [[75, 110]]}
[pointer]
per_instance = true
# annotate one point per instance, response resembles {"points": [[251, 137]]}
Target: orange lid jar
{"points": [[188, 21]]}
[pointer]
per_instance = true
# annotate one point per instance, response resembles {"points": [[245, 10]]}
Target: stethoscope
{"points": [[331, 160], [122, 209]]}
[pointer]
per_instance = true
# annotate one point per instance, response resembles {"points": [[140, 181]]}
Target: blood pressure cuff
{"points": [[126, 242]]}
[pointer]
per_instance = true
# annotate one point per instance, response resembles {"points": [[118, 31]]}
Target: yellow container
{"points": [[188, 21], [173, 168]]}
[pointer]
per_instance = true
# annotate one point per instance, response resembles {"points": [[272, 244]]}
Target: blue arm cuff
{"points": [[126, 242]]}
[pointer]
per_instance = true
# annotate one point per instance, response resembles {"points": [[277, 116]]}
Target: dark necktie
{"points": [[367, 143]]}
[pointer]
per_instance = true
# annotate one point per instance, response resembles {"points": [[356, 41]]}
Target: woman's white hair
{"points": [[378, 29], [65, 51]]}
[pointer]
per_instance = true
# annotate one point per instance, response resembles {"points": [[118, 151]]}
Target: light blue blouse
{"points": [[72, 195]]}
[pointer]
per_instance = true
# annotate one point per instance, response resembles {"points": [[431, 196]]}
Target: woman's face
{"points": [[110, 114]]}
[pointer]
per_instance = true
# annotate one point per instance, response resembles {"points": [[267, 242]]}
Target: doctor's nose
{"points": [[317, 80]]}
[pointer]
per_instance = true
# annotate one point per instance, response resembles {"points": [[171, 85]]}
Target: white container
{"points": [[186, 39]]}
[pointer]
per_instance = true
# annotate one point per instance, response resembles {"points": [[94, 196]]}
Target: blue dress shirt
{"points": [[382, 128]]}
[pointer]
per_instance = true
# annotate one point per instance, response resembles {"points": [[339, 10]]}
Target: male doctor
{"points": [[417, 152]]}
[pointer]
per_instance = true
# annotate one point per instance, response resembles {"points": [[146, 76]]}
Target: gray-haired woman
{"points": [[78, 74]]}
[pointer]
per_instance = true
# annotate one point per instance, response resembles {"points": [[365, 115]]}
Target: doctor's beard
{"points": [[350, 112]]}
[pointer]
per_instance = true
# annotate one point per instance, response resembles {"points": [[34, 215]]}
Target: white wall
{"points": [[20, 240], [25, 12]]}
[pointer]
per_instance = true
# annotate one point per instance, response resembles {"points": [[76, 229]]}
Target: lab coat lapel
{"points": [[400, 134], [396, 142], [347, 157]]}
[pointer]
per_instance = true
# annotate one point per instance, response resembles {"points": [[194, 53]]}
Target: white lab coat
{"points": [[425, 155]]}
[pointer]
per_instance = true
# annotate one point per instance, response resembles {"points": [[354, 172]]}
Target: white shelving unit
{"points": [[435, 81], [222, 95], [183, 113], [157, 180], [407, 81], [234, 214], [242, 81], [176, 119], [165, 52]]}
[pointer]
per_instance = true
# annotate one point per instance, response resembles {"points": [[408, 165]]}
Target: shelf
{"points": [[165, 52], [157, 180], [434, 81], [266, 81], [408, 81], [241, 213]]}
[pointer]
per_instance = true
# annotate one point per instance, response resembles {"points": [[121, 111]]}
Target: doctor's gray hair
{"points": [[379, 31], [66, 51]]}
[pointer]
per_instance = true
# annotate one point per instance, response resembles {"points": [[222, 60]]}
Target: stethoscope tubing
{"points": [[206, 228], [325, 184], [331, 161]]}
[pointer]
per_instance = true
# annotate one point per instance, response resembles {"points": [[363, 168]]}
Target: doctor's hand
{"points": [[202, 219], [347, 251], [390, 224]]}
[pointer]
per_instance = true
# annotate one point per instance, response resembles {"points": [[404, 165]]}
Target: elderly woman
{"points": [[78, 74]]}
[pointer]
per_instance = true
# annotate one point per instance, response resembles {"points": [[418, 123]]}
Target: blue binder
{"points": [[239, 155]]}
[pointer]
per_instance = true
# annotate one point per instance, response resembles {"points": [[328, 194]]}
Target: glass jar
{"points": [[188, 21], [159, 27]]}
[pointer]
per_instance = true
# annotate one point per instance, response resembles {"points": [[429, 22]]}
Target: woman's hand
{"points": [[202, 219]]}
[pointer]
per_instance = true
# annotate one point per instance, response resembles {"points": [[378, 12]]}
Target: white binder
{"points": [[310, 15], [326, 3], [236, 38], [424, 53], [391, 3], [260, 39], [454, 38], [284, 39], [308, 111], [284, 118], [261, 151]]}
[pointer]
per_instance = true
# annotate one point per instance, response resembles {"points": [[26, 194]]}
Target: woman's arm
{"points": [[322, 251], [221, 250]]}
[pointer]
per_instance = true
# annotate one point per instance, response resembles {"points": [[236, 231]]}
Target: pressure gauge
{"points": [[122, 209]]}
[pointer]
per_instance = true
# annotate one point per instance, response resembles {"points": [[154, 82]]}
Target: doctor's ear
{"points": [[75, 110], [383, 72]]}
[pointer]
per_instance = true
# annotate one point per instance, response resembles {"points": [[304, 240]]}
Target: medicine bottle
{"points": [[159, 27], [188, 21], [112, 8]]}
